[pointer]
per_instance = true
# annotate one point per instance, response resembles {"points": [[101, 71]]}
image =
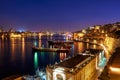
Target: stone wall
{"points": [[111, 44]]}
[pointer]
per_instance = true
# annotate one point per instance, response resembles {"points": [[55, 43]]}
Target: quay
{"points": [[87, 42], [35, 49]]}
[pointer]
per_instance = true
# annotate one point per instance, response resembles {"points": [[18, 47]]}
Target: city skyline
{"points": [[57, 15]]}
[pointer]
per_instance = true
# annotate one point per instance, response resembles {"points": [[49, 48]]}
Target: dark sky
{"points": [[57, 15]]}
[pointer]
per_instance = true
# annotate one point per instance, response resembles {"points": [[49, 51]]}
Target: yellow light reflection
{"points": [[62, 56], [80, 47], [40, 43], [13, 48], [23, 49]]}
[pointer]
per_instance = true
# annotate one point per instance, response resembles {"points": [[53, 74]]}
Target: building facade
{"points": [[80, 67]]}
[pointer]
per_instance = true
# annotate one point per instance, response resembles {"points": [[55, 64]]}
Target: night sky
{"points": [[57, 15]]}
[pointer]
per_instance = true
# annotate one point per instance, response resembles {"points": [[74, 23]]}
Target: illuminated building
{"points": [[15, 35], [79, 67], [78, 35], [97, 26]]}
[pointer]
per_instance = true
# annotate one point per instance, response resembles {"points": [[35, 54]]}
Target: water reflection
{"points": [[35, 43], [23, 49], [0, 52], [13, 48], [42, 56], [42, 59], [62, 56], [35, 60], [18, 54], [79, 47], [52, 57], [12, 56], [40, 43]]}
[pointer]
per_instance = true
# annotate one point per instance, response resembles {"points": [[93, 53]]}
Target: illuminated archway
{"points": [[59, 77], [58, 74]]}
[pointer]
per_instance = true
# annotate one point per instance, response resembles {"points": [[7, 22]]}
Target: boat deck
{"points": [[35, 49]]}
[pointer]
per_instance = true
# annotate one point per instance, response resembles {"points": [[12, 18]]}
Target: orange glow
{"points": [[62, 56], [13, 48], [40, 43], [23, 48], [80, 47], [115, 70]]}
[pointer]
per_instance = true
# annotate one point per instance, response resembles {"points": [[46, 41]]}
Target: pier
{"points": [[94, 43]]}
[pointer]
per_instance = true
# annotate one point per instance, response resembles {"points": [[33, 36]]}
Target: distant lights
{"points": [[21, 30], [101, 70], [84, 54]]}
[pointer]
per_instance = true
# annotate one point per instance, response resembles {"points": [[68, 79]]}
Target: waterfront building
{"points": [[79, 67], [14, 35], [78, 35], [97, 26]]}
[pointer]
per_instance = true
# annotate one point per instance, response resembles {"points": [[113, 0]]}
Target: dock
{"points": [[37, 49]]}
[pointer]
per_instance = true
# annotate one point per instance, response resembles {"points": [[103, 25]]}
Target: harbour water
{"points": [[16, 56]]}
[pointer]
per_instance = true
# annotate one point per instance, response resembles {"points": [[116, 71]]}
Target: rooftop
{"points": [[72, 62]]}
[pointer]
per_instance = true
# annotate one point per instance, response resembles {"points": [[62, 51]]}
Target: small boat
{"points": [[34, 49]]}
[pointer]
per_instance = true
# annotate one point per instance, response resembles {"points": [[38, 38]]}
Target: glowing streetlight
{"points": [[115, 70]]}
